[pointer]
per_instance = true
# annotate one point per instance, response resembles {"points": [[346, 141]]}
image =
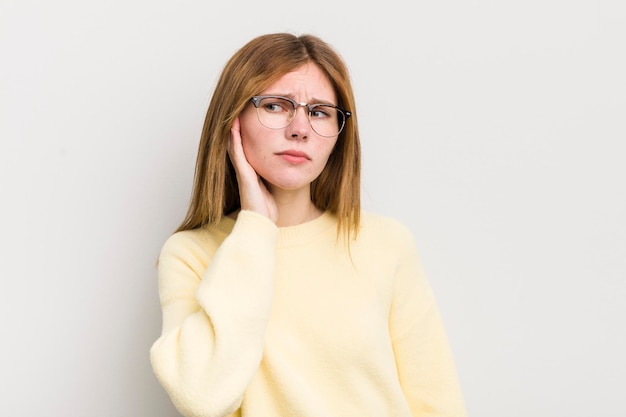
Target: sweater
{"points": [[267, 321]]}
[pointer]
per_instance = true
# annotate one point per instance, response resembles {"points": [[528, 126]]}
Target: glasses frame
{"points": [[256, 100]]}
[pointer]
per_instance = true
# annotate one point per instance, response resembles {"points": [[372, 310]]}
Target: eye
{"points": [[321, 111], [276, 105]]}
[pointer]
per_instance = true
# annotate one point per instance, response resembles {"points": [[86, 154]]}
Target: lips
{"points": [[293, 156]]}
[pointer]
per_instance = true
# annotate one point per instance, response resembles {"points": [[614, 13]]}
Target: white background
{"points": [[495, 130]]}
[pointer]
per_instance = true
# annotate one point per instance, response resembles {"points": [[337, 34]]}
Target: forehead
{"points": [[304, 83]]}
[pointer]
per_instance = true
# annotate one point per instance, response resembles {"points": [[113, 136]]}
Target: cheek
{"points": [[247, 126], [252, 150], [328, 148], [250, 138], [323, 155]]}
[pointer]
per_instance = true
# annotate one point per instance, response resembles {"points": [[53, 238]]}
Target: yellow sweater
{"points": [[262, 321]]}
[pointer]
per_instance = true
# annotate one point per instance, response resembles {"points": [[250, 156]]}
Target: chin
{"points": [[286, 185]]}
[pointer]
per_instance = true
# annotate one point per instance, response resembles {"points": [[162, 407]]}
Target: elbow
{"points": [[190, 394]]}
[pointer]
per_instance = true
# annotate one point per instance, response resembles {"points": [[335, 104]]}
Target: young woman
{"points": [[279, 296]]}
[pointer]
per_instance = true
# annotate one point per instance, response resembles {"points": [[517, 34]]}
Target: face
{"points": [[292, 157]]}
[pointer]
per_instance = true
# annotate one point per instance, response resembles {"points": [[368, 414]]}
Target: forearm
{"points": [[213, 335], [426, 368], [424, 359]]}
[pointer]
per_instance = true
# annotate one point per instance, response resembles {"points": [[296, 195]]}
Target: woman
{"points": [[279, 297]]}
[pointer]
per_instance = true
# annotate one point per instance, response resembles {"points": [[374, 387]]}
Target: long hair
{"points": [[253, 68]]}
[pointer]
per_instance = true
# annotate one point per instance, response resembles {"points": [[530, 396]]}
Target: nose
{"points": [[300, 126]]}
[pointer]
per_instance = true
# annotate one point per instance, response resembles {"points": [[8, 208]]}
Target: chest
{"points": [[331, 301]]}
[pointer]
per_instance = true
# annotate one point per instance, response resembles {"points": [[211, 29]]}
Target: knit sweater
{"points": [[267, 321]]}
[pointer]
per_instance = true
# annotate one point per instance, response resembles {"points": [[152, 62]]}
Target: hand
{"points": [[253, 194]]}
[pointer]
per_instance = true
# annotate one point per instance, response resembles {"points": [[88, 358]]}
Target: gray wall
{"points": [[495, 130]]}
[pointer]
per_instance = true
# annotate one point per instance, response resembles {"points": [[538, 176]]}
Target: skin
{"points": [[275, 168]]}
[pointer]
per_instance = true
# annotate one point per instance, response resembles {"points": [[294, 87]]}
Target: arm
{"points": [[424, 360], [214, 320]]}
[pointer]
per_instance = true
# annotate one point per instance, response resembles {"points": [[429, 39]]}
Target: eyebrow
{"points": [[312, 100]]}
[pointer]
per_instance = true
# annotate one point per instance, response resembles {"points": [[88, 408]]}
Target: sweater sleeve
{"points": [[214, 320], [424, 360]]}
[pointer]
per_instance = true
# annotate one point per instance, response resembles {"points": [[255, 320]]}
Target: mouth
{"points": [[294, 157]]}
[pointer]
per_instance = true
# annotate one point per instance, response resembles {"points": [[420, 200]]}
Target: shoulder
{"points": [[381, 225], [384, 232], [192, 243]]}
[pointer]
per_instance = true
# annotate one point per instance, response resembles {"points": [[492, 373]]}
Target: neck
{"points": [[294, 207]]}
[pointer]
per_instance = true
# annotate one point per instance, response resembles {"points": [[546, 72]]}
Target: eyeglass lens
{"points": [[278, 113]]}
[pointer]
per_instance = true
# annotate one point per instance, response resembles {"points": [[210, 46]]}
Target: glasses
{"points": [[276, 112]]}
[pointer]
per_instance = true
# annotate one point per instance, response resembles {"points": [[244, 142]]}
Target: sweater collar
{"points": [[294, 235]]}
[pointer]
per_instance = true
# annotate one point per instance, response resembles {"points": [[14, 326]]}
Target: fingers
{"points": [[243, 169], [253, 194], [235, 148]]}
